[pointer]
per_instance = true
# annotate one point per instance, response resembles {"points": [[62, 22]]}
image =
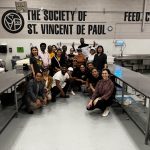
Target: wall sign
{"points": [[136, 16], [12, 21], [21, 6], [53, 22], [58, 24]]}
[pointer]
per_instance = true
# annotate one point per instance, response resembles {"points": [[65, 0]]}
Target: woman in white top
{"points": [[91, 54]]}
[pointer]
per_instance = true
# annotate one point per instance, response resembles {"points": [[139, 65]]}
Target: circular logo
{"points": [[12, 21]]}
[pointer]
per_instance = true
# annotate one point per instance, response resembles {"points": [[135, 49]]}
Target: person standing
{"points": [[51, 52], [36, 63], [44, 55], [56, 62], [100, 59], [71, 57], [84, 47], [91, 54], [64, 55], [81, 60]]}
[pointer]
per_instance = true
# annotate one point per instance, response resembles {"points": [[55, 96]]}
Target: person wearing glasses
{"points": [[35, 96]]}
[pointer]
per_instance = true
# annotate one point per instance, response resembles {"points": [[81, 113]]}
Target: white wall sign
{"points": [[21, 6]]}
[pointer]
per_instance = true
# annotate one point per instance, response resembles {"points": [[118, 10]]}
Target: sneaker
{"points": [[72, 92], [106, 112]]}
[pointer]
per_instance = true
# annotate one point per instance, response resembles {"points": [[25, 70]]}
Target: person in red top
{"points": [[102, 98]]}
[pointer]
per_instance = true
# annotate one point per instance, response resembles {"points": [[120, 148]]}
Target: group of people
{"points": [[57, 73]]}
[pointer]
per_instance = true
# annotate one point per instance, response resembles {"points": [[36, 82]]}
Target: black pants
{"points": [[75, 85], [55, 90], [101, 104]]}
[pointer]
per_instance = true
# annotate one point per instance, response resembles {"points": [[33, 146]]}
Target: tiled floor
{"points": [[66, 125]]}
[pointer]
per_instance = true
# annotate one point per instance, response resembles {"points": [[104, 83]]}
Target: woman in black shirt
{"points": [[56, 62], [81, 78], [100, 59], [36, 62], [93, 80]]}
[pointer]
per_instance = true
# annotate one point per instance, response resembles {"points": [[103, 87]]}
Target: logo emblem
{"points": [[12, 21]]}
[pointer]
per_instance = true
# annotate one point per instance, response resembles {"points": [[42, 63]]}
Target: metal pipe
{"points": [[15, 97], [147, 134], [143, 16]]}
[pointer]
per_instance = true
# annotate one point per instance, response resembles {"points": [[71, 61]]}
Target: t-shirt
{"points": [[75, 72], [45, 57], [37, 63], [99, 61], [83, 45], [51, 55], [85, 49], [89, 73], [80, 60], [90, 58], [62, 78], [70, 59], [94, 80], [82, 75]]}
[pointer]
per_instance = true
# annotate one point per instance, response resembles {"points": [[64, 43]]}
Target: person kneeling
{"points": [[60, 84], [47, 79], [35, 97], [93, 80], [102, 96]]}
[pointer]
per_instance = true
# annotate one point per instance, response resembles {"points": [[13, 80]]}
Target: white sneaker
{"points": [[106, 112], [72, 92]]}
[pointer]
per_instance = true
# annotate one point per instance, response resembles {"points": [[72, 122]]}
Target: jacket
{"points": [[32, 90]]}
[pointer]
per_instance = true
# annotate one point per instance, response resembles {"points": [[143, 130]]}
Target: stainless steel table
{"points": [[136, 62], [10, 80], [138, 82]]}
